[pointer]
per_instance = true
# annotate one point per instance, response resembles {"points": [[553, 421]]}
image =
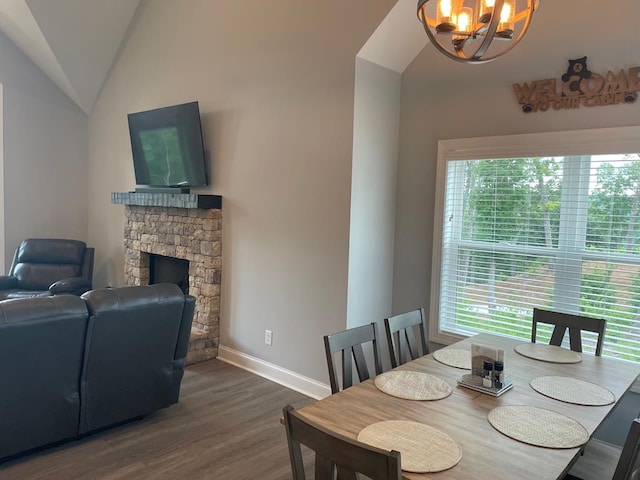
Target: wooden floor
{"points": [[226, 426]]}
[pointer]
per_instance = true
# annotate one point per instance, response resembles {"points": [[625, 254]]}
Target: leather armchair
{"points": [[43, 267]]}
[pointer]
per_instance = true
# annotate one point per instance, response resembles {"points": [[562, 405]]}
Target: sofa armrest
{"points": [[72, 285], [184, 334], [7, 282]]}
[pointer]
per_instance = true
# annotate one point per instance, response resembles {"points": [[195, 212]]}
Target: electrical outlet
{"points": [[267, 337]]}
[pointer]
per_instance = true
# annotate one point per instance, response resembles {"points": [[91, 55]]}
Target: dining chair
{"points": [[602, 461], [401, 336], [574, 323], [350, 344], [336, 454]]}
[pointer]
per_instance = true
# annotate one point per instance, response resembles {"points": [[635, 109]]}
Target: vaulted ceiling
{"points": [[397, 40], [74, 42]]}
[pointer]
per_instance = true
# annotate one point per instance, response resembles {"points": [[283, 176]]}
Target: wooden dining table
{"points": [[487, 454]]}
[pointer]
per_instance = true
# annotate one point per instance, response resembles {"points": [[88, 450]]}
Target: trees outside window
{"points": [[554, 232]]}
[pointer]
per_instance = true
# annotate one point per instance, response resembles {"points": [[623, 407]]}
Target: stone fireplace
{"points": [[186, 227]]}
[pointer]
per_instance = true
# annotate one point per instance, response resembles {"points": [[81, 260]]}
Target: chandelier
{"points": [[465, 30]]}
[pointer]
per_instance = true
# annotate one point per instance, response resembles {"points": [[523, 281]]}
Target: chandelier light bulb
{"points": [[486, 10], [465, 20], [445, 8], [505, 14], [445, 16]]}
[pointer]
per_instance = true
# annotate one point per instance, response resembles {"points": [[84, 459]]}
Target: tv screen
{"points": [[167, 146]]}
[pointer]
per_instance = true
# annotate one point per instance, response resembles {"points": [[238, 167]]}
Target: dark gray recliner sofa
{"points": [[42, 267], [72, 365]]}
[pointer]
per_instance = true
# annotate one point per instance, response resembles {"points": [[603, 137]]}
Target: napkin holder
{"points": [[477, 379]]}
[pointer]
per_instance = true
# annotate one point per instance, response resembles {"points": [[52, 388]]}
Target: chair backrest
{"points": [[133, 362], [39, 262], [629, 465], [41, 348], [574, 323], [335, 453], [349, 343], [401, 337]]}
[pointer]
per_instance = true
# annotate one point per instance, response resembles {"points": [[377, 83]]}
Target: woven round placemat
{"points": [[572, 390], [413, 385], [454, 357], [422, 448], [538, 426], [548, 353]]}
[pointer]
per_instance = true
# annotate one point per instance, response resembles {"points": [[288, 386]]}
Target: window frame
{"points": [[574, 143]]}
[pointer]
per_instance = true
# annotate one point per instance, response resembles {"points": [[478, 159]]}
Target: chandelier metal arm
{"points": [[491, 31]]}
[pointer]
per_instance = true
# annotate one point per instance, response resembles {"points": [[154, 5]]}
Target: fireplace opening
{"points": [[169, 270]]}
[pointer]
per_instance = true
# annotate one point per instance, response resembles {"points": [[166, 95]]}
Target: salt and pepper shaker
{"points": [[493, 374], [498, 375], [487, 378]]}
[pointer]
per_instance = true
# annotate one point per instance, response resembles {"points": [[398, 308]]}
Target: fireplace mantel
{"points": [[178, 200]]}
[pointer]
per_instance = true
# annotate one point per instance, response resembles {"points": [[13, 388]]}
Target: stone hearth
{"points": [[192, 233]]}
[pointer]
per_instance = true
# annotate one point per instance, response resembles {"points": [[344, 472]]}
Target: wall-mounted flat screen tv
{"points": [[167, 146]]}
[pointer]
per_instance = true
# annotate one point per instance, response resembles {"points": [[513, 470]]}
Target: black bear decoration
{"points": [[576, 72]]}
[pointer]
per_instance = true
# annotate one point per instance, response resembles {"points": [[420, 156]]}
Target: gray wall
{"points": [[443, 99], [275, 82], [373, 192], [45, 155]]}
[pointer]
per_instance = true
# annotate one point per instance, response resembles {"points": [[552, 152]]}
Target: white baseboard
{"points": [[295, 381]]}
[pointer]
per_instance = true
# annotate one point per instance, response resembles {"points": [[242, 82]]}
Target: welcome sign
{"points": [[579, 87]]}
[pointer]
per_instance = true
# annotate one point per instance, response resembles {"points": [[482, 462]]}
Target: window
{"points": [[554, 229]]}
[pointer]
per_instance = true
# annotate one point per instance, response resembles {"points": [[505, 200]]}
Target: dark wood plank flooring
{"points": [[226, 426]]}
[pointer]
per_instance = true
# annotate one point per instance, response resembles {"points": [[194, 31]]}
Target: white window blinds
{"points": [[559, 233]]}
